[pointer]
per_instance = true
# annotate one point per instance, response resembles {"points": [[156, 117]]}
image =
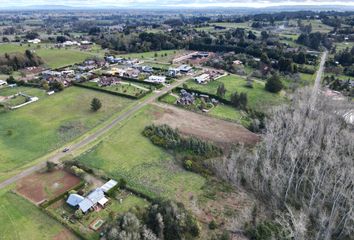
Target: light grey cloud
{"points": [[171, 3]]}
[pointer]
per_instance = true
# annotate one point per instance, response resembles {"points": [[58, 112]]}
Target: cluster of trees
{"points": [[239, 100], [162, 221], [345, 57], [15, 61], [303, 169], [314, 40], [143, 42], [169, 138], [339, 85]]}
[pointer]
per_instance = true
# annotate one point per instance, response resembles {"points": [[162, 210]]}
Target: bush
{"points": [[274, 84], [212, 225]]}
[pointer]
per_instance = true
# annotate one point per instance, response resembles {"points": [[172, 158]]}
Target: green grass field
{"points": [[220, 111], [56, 58], [34, 130], [164, 55], [258, 97], [131, 89], [53, 57], [146, 167], [7, 91], [19, 219]]}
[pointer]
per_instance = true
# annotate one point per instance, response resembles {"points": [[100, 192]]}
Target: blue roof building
{"points": [[74, 199]]}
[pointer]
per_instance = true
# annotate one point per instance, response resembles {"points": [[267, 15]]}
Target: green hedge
{"points": [[112, 92]]}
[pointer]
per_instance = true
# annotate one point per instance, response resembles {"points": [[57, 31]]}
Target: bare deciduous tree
{"points": [[304, 167]]}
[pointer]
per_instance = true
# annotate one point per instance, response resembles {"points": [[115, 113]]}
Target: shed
{"points": [[109, 185]]}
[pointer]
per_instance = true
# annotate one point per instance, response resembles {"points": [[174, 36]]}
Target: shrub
{"points": [[212, 225]]}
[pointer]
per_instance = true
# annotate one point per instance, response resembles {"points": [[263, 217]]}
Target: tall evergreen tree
{"points": [[274, 84], [95, 104]]}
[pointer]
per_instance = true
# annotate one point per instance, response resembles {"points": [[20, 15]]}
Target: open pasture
{"points": [[146, 167], [258, 97], [41, 127], [20, 219]]}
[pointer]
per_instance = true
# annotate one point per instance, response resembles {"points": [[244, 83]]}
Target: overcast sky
{"points": [[173, 3]]}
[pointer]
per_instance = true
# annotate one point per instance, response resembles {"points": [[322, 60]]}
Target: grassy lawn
{"points": [[164, 55], [34, 130], [229, 113], [131, 89], [146, 167], [17, 100], [170, 99], [258, 97], [7, 91], [19, 219]]}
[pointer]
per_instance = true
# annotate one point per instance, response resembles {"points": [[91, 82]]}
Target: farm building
{"points": [[109, 185], [185, 68], [202, 78]]}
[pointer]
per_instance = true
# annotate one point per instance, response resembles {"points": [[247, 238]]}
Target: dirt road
{"points": [[317, 85]]}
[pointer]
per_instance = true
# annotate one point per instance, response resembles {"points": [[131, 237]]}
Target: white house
{"points": [[156, 79], [202, 78]]}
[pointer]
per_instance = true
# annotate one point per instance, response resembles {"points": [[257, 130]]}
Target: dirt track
{"points": [[205, 127]]}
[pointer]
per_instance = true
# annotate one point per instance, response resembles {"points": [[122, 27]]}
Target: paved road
{"points": [[94, 136], [317, 85]]}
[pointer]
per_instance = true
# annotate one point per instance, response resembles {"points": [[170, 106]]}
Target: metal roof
{"points": [[74, 199], [109, 185], [93, 198]]}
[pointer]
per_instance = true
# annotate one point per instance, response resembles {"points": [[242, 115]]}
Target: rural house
{"points": [[93, 199]]}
